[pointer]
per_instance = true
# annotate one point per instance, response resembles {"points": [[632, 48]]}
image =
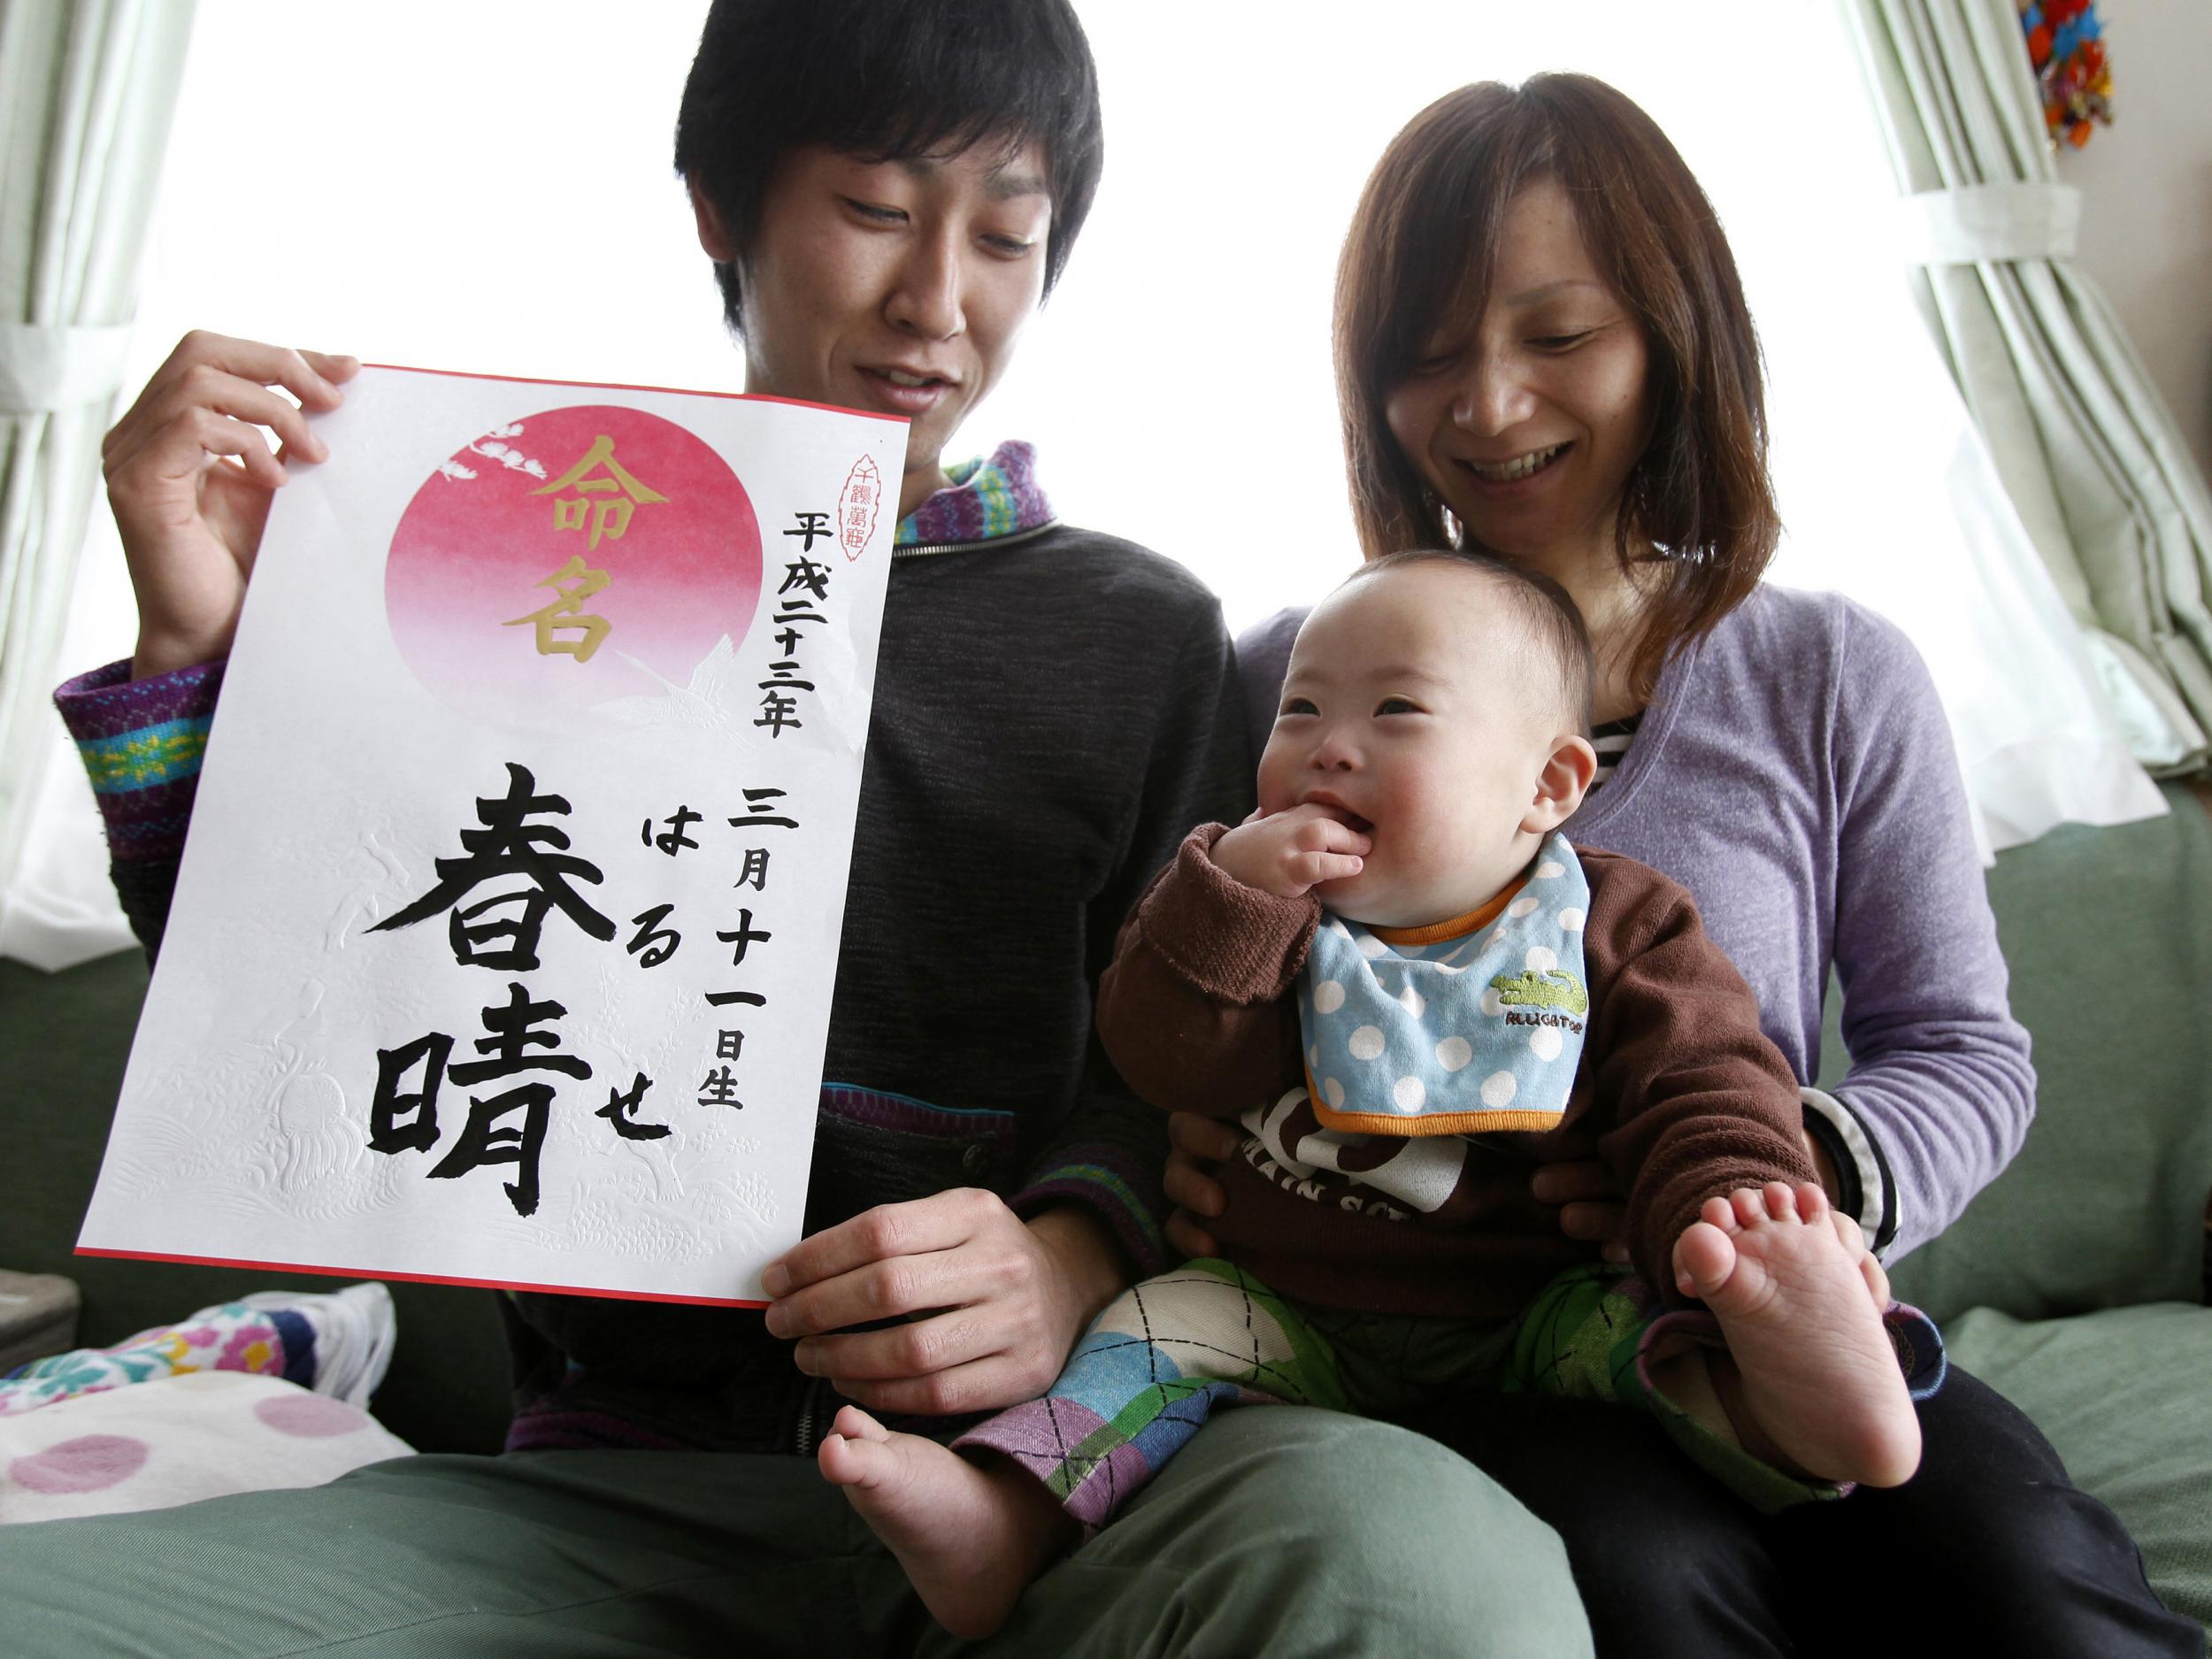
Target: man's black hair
{"points": [[891, 79], [1558, 640]]}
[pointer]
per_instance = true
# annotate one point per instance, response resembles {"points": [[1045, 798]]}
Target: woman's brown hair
{"points": [[1420, 254]]}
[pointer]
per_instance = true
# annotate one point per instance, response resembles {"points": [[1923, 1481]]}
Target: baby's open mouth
{"points": [[1345, 816]]}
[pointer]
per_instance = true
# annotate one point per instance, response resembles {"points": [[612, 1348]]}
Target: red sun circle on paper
{"points": [[569, 558]]}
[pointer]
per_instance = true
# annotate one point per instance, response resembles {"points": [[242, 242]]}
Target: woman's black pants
{"points": [[1988, 1550]]}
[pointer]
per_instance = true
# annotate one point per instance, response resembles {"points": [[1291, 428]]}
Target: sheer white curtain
{"points": [[2112, 500], [522, 219], [86, 87]]}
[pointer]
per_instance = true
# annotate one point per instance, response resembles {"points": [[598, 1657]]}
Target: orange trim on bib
{"points": [[1416, 1126], [1457, 926]]}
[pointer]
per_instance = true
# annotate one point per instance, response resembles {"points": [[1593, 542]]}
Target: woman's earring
{"points": [[1433, 504], [1636, 500]]}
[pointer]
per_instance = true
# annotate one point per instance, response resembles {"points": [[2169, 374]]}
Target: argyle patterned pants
{"points": [[1172, 1351]]}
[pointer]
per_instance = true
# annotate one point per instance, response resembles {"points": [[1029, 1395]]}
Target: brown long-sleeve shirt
{"points": [[1677, 1090]]}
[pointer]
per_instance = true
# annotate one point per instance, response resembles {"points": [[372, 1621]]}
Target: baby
{"points": [[1409, 986]]}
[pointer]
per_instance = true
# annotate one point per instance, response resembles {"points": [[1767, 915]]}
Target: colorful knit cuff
{"points": [[141, 741], [1109, 1181], [986, 500]]}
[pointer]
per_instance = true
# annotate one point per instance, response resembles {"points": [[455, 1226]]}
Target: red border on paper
{"points": [[620, 385], [423, 1279]]}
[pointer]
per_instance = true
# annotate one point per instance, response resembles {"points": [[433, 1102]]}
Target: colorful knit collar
{"points": [[986, 501]]}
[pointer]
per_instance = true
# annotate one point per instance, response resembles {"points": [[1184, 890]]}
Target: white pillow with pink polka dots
{"points": [[177, 1441]]}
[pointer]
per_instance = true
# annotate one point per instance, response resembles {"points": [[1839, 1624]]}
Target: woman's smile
{"points": [[1501, 475]]}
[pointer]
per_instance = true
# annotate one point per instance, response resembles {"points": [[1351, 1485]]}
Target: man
{"points": [[888, 192]]}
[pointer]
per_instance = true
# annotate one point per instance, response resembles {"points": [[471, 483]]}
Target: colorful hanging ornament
{"points": [[2066, 46]]}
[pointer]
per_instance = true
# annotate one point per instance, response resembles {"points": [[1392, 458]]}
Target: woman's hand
{"points": [[1592, 1207], [1196, 1144], [189, 475], [1004, 1300]]}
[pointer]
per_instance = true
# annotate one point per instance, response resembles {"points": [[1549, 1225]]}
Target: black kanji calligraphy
{"points": [[517, 917], [621, 1112], [760, 811], [402, 1122], [744, 937], [514, 1031], [719, 1089], [805, 572], [778, 712], [484, 1140], [507, 846], [653, 944], [673, 840]]}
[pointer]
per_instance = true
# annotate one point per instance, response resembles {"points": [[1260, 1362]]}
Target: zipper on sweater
{"points": [[804, 1433], [917, 549]]}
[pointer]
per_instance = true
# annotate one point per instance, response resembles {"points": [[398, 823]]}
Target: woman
{"points": [[1542, 350]]}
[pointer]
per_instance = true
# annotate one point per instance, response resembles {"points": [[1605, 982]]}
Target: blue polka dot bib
{"points": [[1407, 1032]]}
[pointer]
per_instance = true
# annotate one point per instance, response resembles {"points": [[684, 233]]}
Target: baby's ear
{"points": [[1560, 784]]}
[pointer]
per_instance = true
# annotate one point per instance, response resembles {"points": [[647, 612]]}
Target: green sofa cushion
{"points": [[2108, 936], [2125, 1396]]}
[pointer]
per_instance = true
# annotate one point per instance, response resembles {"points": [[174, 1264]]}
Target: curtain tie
{"points": [[45, 370], [1984, 223]]}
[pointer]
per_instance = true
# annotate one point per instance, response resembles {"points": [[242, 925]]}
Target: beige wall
{"points": [[2146, 213]]}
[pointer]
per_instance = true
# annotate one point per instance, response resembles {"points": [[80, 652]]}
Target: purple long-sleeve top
{"points": [[1795, 772]]}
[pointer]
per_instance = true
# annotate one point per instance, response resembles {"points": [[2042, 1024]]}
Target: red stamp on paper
{"points": [[857, 505]]}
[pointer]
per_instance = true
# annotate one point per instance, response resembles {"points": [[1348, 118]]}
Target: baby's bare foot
{"points": [[1820, 1382], [971, 1537]]}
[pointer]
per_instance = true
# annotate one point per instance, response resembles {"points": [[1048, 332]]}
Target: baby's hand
{"points": [[1288, 853]]}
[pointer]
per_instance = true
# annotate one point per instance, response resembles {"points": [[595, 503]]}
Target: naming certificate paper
{"points": [[504, 938]]}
